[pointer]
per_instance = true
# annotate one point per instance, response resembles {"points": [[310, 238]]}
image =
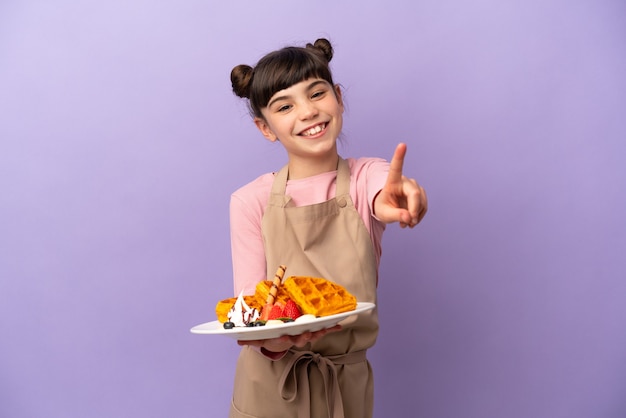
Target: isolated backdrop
{"points": [[120, 143]]}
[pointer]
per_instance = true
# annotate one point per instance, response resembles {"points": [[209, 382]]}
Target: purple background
{"points": [[120, 143]]}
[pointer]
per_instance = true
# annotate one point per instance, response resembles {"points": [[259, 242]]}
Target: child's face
{"points": [[306, 118]]}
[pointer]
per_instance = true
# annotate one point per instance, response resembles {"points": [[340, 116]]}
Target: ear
{"points": [[338, 96], [262, 125]]}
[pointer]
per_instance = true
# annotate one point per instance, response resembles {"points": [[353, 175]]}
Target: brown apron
{"points": [[331, 378]]}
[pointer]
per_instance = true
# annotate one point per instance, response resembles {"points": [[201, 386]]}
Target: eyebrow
{"points": [[309, 87]]}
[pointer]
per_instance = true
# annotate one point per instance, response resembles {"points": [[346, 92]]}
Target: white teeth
{"points": [[314, 130]]}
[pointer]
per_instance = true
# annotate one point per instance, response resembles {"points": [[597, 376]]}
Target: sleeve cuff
{"points": [[372, 206]]}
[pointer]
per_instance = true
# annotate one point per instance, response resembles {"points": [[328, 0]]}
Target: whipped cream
{"points": [[241, 314]]}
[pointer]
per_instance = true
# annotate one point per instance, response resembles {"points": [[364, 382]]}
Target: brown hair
{"points": [[279, 70]]}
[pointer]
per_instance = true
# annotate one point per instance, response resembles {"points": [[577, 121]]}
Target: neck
{"points": [[299, 169]]}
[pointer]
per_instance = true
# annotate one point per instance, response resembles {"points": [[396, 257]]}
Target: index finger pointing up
{"points": [[396, 164]]}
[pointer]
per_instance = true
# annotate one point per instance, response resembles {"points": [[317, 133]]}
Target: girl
{"points": [[322, 216]]}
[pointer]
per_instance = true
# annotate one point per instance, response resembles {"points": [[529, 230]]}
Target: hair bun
{"points": [[324, 47], [241, 78]]}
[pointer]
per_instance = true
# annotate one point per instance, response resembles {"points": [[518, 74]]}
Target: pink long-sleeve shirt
{"points": [[247, 206]]}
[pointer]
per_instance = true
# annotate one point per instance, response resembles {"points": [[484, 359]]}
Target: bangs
{"points": [[283, 69]]}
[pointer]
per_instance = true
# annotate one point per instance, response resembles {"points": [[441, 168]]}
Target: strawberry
{"points": [[291, 310], [265, 312], [276, 312]]}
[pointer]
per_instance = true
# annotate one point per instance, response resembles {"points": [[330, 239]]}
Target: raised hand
{"points": [[401, 199]]}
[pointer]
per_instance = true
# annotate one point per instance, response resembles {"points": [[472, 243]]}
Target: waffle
{"points": [[223, 306], [318, 296], [314, 295], [263, 290]]}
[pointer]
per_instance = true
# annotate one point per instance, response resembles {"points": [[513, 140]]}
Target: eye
{"points": [[283, 108], [318, 94]]}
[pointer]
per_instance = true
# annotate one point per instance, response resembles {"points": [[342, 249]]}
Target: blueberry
{"points": [[229, 325]]}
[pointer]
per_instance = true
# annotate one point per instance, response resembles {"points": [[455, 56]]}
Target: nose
{"points": [[308, 110]]}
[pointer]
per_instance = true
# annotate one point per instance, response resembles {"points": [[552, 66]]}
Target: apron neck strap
{"points": [[343, 178]]}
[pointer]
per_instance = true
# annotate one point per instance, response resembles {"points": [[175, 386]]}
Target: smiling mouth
{"points": [[314, 130]]}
